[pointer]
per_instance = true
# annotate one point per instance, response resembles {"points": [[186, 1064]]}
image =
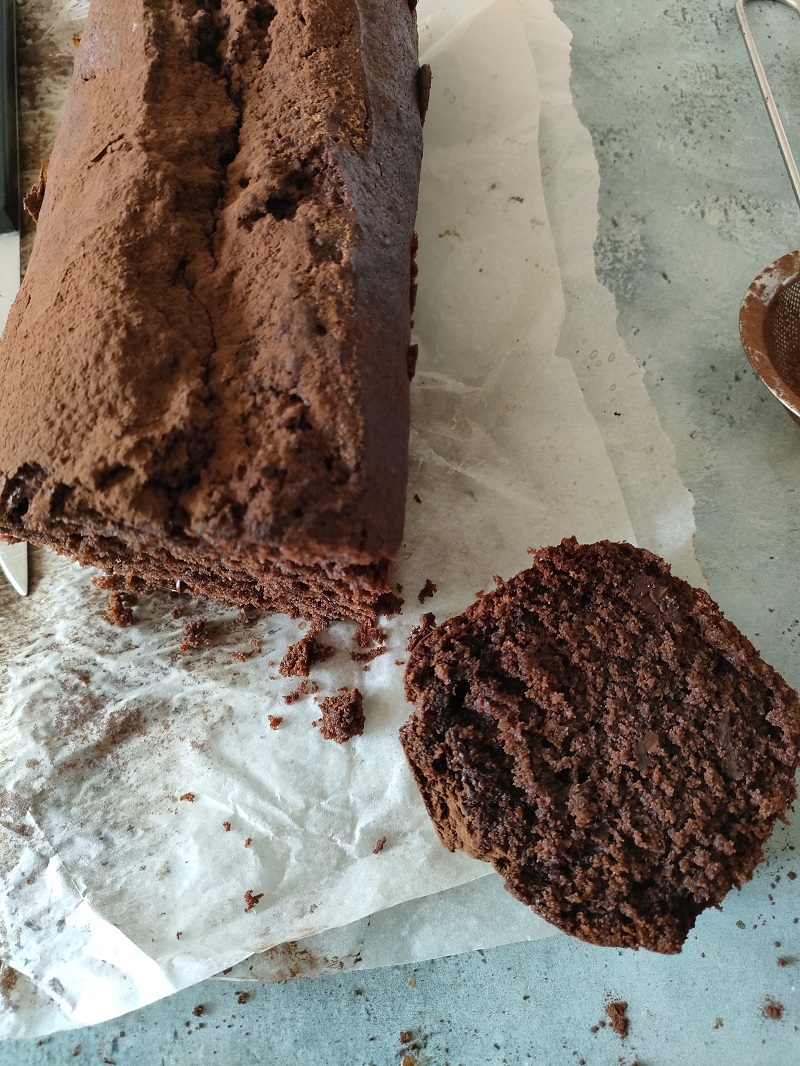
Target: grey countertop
{"points": [[694, 204]]}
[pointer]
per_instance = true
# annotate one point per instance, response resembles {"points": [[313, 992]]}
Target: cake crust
{"points": [[206, 367], [597, 730]]}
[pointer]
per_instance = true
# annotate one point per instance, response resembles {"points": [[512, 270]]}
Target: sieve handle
{"points": [[766, 92]]}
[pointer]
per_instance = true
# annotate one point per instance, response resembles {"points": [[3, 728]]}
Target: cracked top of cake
{"points": [[598, 731], [211, 338]]}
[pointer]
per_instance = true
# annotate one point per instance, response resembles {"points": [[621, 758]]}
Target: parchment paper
{"points": [[116, 889]]}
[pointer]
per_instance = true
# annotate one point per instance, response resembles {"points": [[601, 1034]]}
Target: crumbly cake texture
{"points": [[600, 733], [206, 370], [299, 658], [342, 716]]}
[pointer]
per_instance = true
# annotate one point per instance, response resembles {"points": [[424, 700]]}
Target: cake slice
{"points": [[601, 734], [205, 374]]}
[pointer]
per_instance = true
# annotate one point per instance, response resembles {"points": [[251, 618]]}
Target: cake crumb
{"points": [[241, 656], [227, 826], [195, 635], [416, 498], [120, 609], [303, 689], [369, 634], [198, 1010], [783, 960], [367, 656], [188, 796], [413, 353], [242, 997], [617, 1013], [405, 1037], [364, 636], [430, 588], [718, 1023], [33, 200], [178, 935], [773, 1010], [379, 846], [76, 1051], [248, 842], [791, 875], [275, 720], [342, 716], [252, 898], [300, 657], [426, 622]]}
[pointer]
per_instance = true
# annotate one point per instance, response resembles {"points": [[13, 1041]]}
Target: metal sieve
{"points": [[769, 319]]}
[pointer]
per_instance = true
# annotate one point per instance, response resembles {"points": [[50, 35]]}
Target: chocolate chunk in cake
{"points": [[597, 730], [342, 716], [205, 374]]}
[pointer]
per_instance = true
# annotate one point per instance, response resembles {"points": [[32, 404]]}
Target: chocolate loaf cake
{"points": [[598, 731], [205, 374]]}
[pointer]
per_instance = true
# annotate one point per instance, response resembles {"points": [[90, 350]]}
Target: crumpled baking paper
{"points": [[124, 759]]}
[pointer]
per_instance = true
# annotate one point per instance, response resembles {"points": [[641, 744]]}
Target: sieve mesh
{"points": [[782, 333]]}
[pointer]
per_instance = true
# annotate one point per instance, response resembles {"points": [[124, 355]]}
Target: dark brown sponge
{"points": [[205, 373], [342, 716], [600, 733]]}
